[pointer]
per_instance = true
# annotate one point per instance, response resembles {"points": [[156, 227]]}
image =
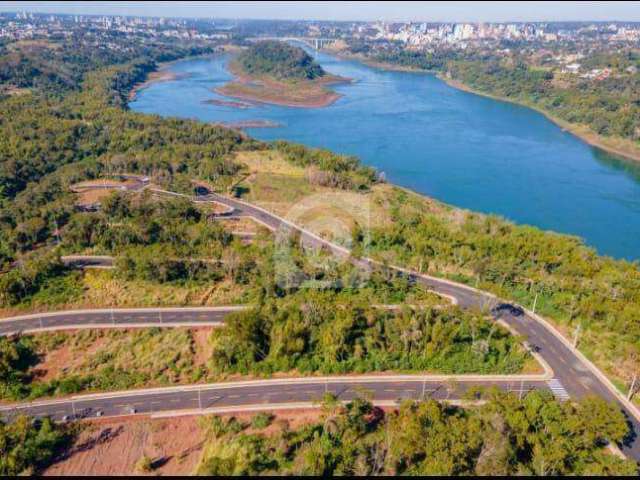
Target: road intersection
{"points": [[571, 375]]}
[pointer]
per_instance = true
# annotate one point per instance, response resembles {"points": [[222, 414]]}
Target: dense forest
{"points": [[280, 60], [53, 68], [318, 337], [506, 436]]}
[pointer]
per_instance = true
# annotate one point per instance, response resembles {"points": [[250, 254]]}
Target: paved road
{"points": [[261, 393], [572, 374], [574, 377], [113, 318]]}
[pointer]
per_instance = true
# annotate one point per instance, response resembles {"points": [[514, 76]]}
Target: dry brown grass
{"points": [[268, 162], [106, 182], [104, 289], [240, 225], [88, 197]]}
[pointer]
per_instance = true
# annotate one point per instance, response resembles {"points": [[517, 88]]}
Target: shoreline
{"points": [[379, 65], [162, 74], [312, 93], [585, 134], [580, 131]]}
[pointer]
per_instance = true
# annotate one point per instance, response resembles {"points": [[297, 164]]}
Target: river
{"points": [[464, 149]]}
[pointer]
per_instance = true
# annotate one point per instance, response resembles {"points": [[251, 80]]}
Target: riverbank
{"points": [[617, 146], [600, 197], [162, 74], [391, 67], [301, 94]]}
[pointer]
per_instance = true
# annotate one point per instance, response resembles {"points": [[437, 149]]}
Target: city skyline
{"points": [[354, 11]]}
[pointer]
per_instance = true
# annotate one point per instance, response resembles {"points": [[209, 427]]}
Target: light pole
{"points": [[632, 387], [576, 335], [521, 389], [535, 302]]}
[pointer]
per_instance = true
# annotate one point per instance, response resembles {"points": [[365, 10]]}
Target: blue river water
{"points": [[463, 149]]}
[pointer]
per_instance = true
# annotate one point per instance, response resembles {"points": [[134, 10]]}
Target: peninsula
{"points": [[278, 73]]}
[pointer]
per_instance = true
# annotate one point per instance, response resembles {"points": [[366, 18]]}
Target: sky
{"points": [[388, 11]]}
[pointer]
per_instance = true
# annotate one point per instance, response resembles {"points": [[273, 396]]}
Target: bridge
{"points": [[316, 43]]}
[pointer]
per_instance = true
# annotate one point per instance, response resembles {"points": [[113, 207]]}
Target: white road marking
{"points": [[558, 389]]}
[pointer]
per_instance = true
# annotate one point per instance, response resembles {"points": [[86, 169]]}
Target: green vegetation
{"points": [[101, 361], [574, 285], [56, 67], [26, 446], [279, 60], [415, 59], [261, 420], [83, 131], [335, 333], [34, 277], [294, 330], [506, 436], [336, 171], [144, 465]]}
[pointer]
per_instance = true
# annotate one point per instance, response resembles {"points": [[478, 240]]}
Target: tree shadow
{"points": [[104, 436]]}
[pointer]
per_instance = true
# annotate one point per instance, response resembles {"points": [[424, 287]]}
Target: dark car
{"points": [[508, 309]]}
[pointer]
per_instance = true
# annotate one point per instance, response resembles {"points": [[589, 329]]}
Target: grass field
{"points": [[283, 188], [123, 358], [102, 288]]}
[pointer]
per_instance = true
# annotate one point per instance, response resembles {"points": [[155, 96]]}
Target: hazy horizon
{"points": [[462, 11]]}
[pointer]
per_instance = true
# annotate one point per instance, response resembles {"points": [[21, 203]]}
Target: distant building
{"points": [[571, 68]]}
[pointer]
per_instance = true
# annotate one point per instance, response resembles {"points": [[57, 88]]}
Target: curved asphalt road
{"points": [[574, 376]]}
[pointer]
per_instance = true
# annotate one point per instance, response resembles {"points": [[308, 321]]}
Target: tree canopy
{"points": [[280, 60]]}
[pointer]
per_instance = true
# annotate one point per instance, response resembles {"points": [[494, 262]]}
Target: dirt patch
{"points": [[75, 352], [54, 363], [115, 447], [93, 191], [202, 346], [12, 90], [89, 197], [240, 225]]}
